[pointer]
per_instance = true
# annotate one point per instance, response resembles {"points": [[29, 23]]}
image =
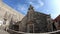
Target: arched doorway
{"points": [[30, 27]]}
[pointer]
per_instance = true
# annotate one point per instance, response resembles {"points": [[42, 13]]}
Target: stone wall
{"points": [[38, 19], [6, 13]]}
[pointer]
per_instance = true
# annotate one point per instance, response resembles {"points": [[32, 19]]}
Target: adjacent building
{"points": [[6, 13], [57, 22]]}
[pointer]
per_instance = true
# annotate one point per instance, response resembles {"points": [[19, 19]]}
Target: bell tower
{"points": [[31, 9], [30, 12]]}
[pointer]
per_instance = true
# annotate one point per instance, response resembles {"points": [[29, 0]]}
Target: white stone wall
{"points": [[5, 8], [7, 12]]}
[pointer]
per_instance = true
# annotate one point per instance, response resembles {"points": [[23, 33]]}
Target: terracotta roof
{"points": [[57, 18]]}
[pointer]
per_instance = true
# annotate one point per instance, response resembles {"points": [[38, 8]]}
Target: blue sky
{"points": [[45, 6]]}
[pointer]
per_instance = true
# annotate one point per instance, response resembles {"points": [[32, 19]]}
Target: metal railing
{"points": [[18, 32]]}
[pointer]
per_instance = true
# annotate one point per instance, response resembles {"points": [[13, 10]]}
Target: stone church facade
{"points": [[35, 22]]}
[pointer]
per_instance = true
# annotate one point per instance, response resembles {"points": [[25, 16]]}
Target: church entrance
{"points": [[30, 28]]}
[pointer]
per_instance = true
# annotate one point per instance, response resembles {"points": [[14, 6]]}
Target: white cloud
{"points": [[36, 3], [40, 2], [30, 2], [20, 7]]}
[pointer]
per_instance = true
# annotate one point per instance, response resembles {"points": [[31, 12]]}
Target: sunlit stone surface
{"points": [[7, 13]]}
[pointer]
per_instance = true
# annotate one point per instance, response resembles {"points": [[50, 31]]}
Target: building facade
{"points": [[6, 13], [57, 22], [35, 22]]}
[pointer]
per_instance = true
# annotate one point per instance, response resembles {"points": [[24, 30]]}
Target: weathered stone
{"points": [[38, 21]]}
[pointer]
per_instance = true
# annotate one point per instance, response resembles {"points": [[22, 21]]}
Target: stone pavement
{"points": [[3, 32]]}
